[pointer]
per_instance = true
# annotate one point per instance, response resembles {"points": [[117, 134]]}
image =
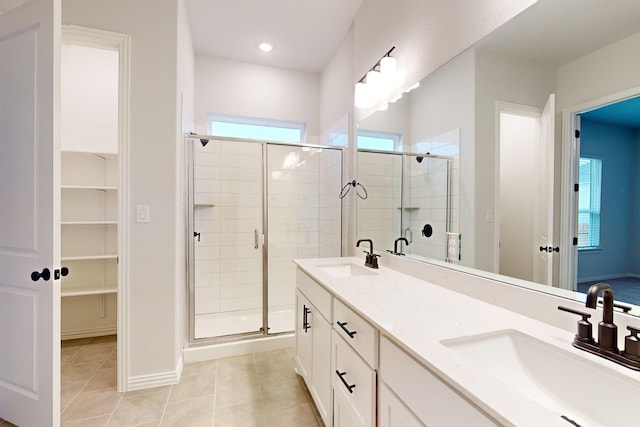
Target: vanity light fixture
{"points": [[371, 87]]}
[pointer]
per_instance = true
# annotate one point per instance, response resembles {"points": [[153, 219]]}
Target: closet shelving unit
{"points": [[89, 223]]}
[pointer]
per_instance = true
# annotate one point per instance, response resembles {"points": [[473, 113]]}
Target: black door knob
{"points": [[45, 275]]}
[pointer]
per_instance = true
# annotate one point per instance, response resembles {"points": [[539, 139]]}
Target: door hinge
{"points": [[575, 241], [577, 133], [576, 187]]}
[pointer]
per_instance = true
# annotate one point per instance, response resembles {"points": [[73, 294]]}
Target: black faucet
{"points": [[395, 245], [371, 260], [607, 330], [607, 345]]}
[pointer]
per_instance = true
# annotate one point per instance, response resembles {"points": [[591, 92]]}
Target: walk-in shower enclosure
{"points": [[252, 208]]}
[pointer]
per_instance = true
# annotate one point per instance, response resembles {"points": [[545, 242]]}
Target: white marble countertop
{"points": [[418, 315]]}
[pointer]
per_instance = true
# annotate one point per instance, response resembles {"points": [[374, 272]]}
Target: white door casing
{"points": [[543, 215], [30, 211]]}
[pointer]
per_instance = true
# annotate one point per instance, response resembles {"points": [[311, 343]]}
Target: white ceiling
{"points": [[304, 33]]}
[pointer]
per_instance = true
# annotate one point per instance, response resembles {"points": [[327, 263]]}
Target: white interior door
{"points": [[29, 231], [543, 214]]}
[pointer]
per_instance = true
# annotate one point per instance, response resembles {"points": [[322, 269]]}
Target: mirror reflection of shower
{"points": [[253, 207]]}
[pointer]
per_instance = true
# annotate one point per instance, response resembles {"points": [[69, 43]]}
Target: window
{"points": [[256, 128], [377, 140], [590, 180]]}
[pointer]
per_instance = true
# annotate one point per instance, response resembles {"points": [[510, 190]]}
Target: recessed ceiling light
{"points": [[265, 47]]}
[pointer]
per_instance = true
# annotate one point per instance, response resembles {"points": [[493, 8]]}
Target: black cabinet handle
{"points": [[343, 325], [349, 387], [305, 319], [45, 275]]}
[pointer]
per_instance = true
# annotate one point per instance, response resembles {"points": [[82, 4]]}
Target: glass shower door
{"points": [[303, 217], [227, 238]]}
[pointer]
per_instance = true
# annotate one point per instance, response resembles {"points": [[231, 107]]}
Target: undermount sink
{"points": [[345, 270], [574, 387]]}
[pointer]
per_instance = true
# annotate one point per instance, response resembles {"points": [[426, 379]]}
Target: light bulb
{"points": [[388, 67]]}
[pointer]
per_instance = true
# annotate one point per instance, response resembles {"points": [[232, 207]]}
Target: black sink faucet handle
{"points": [[585, 329]]}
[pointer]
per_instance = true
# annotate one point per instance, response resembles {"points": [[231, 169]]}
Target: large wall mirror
{"points": [[499, 113]]}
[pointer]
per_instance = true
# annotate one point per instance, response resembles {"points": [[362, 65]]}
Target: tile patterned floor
{"points": [[256, 390]]}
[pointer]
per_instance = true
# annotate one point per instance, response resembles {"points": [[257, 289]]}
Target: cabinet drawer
{"points": [[354, 381], [426, 395], [357, 332], [316, 294]]}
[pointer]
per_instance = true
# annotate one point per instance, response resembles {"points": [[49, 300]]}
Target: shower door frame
{"points": [[263, 332], [404, 155]]}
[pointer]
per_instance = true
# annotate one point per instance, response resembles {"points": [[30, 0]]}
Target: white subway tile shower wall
{"points": [[228, 268]]}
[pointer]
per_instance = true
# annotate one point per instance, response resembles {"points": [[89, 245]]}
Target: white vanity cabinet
{"points": [[313, 341], [354, 363], [411, 392]]}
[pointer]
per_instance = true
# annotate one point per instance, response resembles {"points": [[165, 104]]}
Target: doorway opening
{"points": [[605, 205]]}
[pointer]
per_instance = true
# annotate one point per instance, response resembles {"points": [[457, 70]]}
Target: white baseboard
{"points": [[87, 333], [238, 348], [155, 380]]}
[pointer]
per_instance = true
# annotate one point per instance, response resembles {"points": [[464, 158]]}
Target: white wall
{"points": [[152, 309], [89, 99], [443, 103], [427, 34], [606, 71], [232, 87], [499, 78], [185, 103]]}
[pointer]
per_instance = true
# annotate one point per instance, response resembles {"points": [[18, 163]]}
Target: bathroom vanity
{"points": [[381, 347]]}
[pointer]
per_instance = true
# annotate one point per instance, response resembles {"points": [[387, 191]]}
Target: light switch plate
{"points": [[142, 213]]}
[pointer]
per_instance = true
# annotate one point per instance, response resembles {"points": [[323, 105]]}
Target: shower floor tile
{"points": [[255, 390]]}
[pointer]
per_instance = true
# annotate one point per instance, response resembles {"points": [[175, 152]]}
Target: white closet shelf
{"points": [[89, 187], [88, 257], [76, 291], [89, 222]]}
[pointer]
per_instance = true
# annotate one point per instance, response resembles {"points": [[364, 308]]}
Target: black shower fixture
{"points": [[204, 142], [419, 158]]}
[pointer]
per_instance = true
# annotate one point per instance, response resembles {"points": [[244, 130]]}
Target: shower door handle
{"points": [[255, 239]]}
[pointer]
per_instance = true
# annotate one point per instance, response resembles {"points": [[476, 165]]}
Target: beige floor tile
{"points": [[244, 390], [191, 413], [74, 372], [103, 379], [112, 360], [91, 353], [88, 422], [162, 389], [91, 404], [135, 410], [68, 392], [234, 367], [206, 367], [275, 356], [282, 396], [5, 423], [299, 416], [193, 386], [240, 416]]}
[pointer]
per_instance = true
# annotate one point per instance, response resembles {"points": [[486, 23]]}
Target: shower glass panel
{"points": [[304, 219], [379, 215], [409, 195], [426, 206], [253, 208], [227, 237]]}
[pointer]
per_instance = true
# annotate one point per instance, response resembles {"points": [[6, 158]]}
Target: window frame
{"points": [[256, 121], [393, 136], [592, 211]]}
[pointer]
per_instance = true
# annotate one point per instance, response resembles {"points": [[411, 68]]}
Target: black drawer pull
{"points": [[344, 328], [305, 319], [349, 387]]}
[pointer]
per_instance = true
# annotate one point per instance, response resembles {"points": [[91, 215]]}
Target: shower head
{"points": [[204, 142], [419, 159]]}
